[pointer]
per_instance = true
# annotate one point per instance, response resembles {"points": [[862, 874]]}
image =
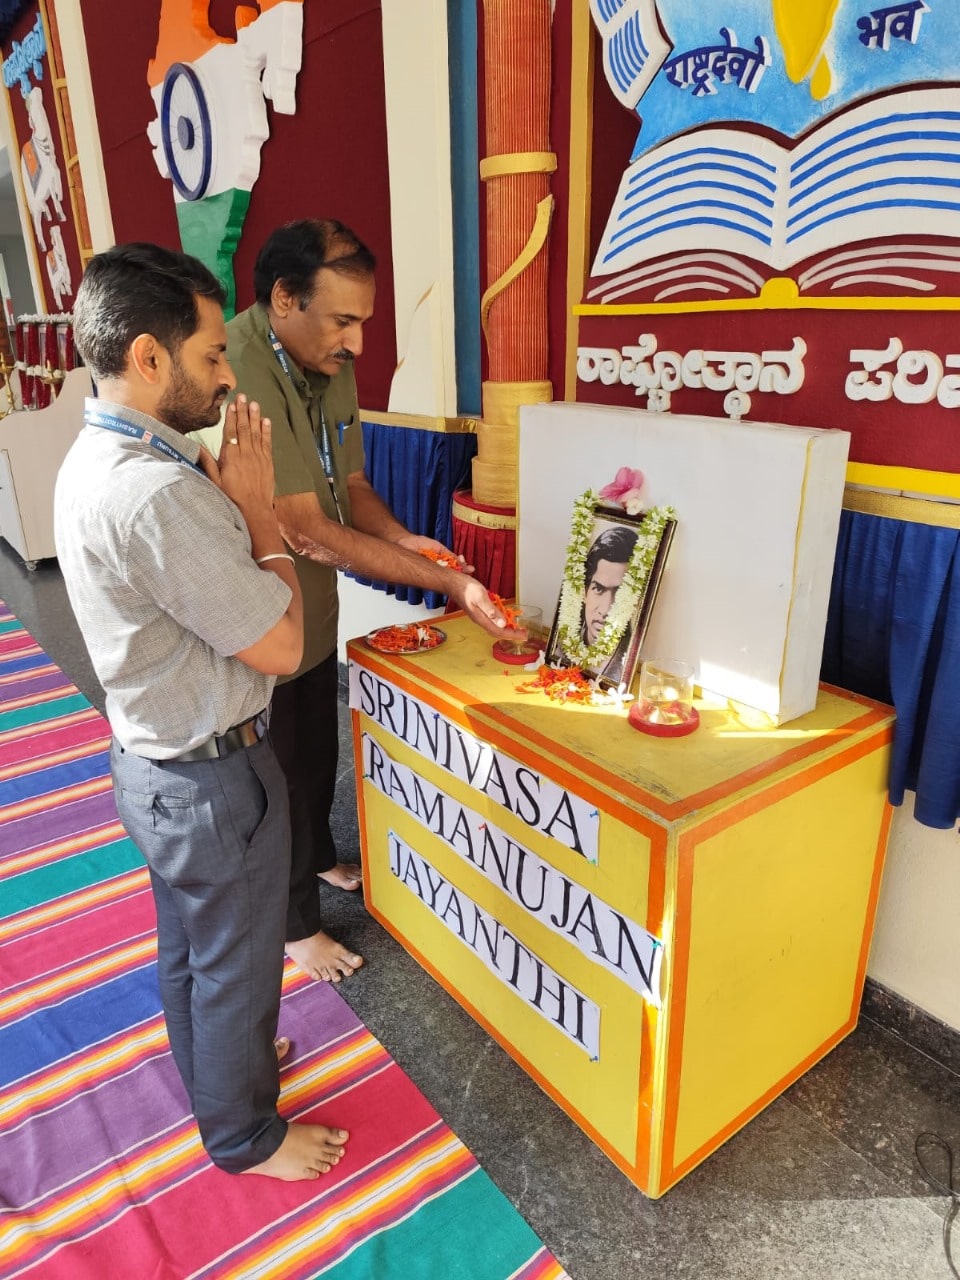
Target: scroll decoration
{"points": [[514, 162], [535, 242]]}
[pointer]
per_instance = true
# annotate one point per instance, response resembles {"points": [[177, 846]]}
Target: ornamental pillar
{"points": [[515, 172]]}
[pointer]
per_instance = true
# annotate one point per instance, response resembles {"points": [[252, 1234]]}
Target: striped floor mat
{"points": [[102, 1175]]}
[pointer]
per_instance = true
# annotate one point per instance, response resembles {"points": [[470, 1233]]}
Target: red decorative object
{"points": [[28, 357], [66, 348], [503, 652], [636, 718], [49, 360], [45, 353], [486, 537]]}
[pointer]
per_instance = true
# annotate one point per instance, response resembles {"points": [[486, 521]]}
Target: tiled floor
{"points": [[820, 1186]]}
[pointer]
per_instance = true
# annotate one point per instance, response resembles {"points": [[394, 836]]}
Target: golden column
{"points": [[517, 56]]}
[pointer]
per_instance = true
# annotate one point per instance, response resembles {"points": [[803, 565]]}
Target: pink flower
{"points": [[624, 490]]}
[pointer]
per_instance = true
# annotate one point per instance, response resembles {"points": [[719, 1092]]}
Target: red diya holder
{"points": [[679, 730], [503, 652]]}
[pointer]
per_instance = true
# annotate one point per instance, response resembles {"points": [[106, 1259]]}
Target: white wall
{"points": [[415, 58], [18, 274], [916, 944], [89, 153], [16, 223], [12, 245], [415, 55]]}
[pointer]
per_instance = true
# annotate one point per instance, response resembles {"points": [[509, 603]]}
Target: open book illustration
{"points": [[887, 167]]}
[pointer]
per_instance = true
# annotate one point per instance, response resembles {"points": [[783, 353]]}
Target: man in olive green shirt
{"points": [[293, 353]]}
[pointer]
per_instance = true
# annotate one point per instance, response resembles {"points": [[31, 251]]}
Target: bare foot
{"points": [[323, 958], [343, 875], [307, 1151], [282, 1046]]}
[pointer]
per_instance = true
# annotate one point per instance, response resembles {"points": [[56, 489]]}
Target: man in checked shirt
{"points": [[188, 656]]}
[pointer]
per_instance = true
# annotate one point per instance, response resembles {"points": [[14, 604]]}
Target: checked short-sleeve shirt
{"points": [[157, 564]]}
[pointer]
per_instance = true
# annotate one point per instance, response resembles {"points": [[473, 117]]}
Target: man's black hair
{"points": [[614, 544], [133, 289], [294, 254]]}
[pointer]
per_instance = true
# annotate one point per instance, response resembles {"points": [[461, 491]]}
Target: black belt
{"points": [[219, 745]]}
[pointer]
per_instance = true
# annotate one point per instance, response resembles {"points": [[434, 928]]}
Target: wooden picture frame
{"points": [[614, 532]]}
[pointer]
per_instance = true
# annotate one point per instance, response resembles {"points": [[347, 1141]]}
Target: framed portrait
{"points": [[614, 567]]}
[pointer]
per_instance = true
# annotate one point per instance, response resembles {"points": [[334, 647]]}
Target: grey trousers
{"points": [[216, 837]]}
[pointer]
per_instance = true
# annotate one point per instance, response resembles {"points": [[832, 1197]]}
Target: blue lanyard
{"points": [[324, 449], [110, 422]]}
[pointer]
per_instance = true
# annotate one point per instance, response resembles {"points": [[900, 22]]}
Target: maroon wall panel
{"points": [[330, 159]]}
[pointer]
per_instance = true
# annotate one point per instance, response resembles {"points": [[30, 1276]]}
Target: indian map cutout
{"points": [[817, 140], [211, 94]]}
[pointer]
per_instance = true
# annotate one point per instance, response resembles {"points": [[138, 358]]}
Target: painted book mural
{"points": [[792, 200]]}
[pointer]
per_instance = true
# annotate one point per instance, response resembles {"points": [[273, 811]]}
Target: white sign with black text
{"points": [[599, 932], [562, 1005], [535, 800]]}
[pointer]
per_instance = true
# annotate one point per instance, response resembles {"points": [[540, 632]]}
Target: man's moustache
{"points": [[342, 355]]}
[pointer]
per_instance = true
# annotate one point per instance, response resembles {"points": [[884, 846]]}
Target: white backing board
{"points": [[747, 585]]}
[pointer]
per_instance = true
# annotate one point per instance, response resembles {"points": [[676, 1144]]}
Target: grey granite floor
{"points": [[820, 1186]]}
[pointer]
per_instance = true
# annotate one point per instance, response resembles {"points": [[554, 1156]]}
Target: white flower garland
{"points": [[629, 593]]}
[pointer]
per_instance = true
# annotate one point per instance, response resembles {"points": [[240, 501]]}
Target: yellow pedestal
{"points": [[519, 850]]}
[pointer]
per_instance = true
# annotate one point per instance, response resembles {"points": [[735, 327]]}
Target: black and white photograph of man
{"points": [[604, 571]]}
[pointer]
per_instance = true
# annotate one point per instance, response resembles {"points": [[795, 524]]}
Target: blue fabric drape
{"points": [[416, 472], [893, 633]]}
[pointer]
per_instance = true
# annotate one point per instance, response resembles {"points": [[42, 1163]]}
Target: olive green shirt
{"points": [[294, 406]]}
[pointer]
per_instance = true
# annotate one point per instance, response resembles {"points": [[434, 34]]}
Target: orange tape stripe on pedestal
{"points": [[872, 901], [671, 1174], [758, 800]]}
